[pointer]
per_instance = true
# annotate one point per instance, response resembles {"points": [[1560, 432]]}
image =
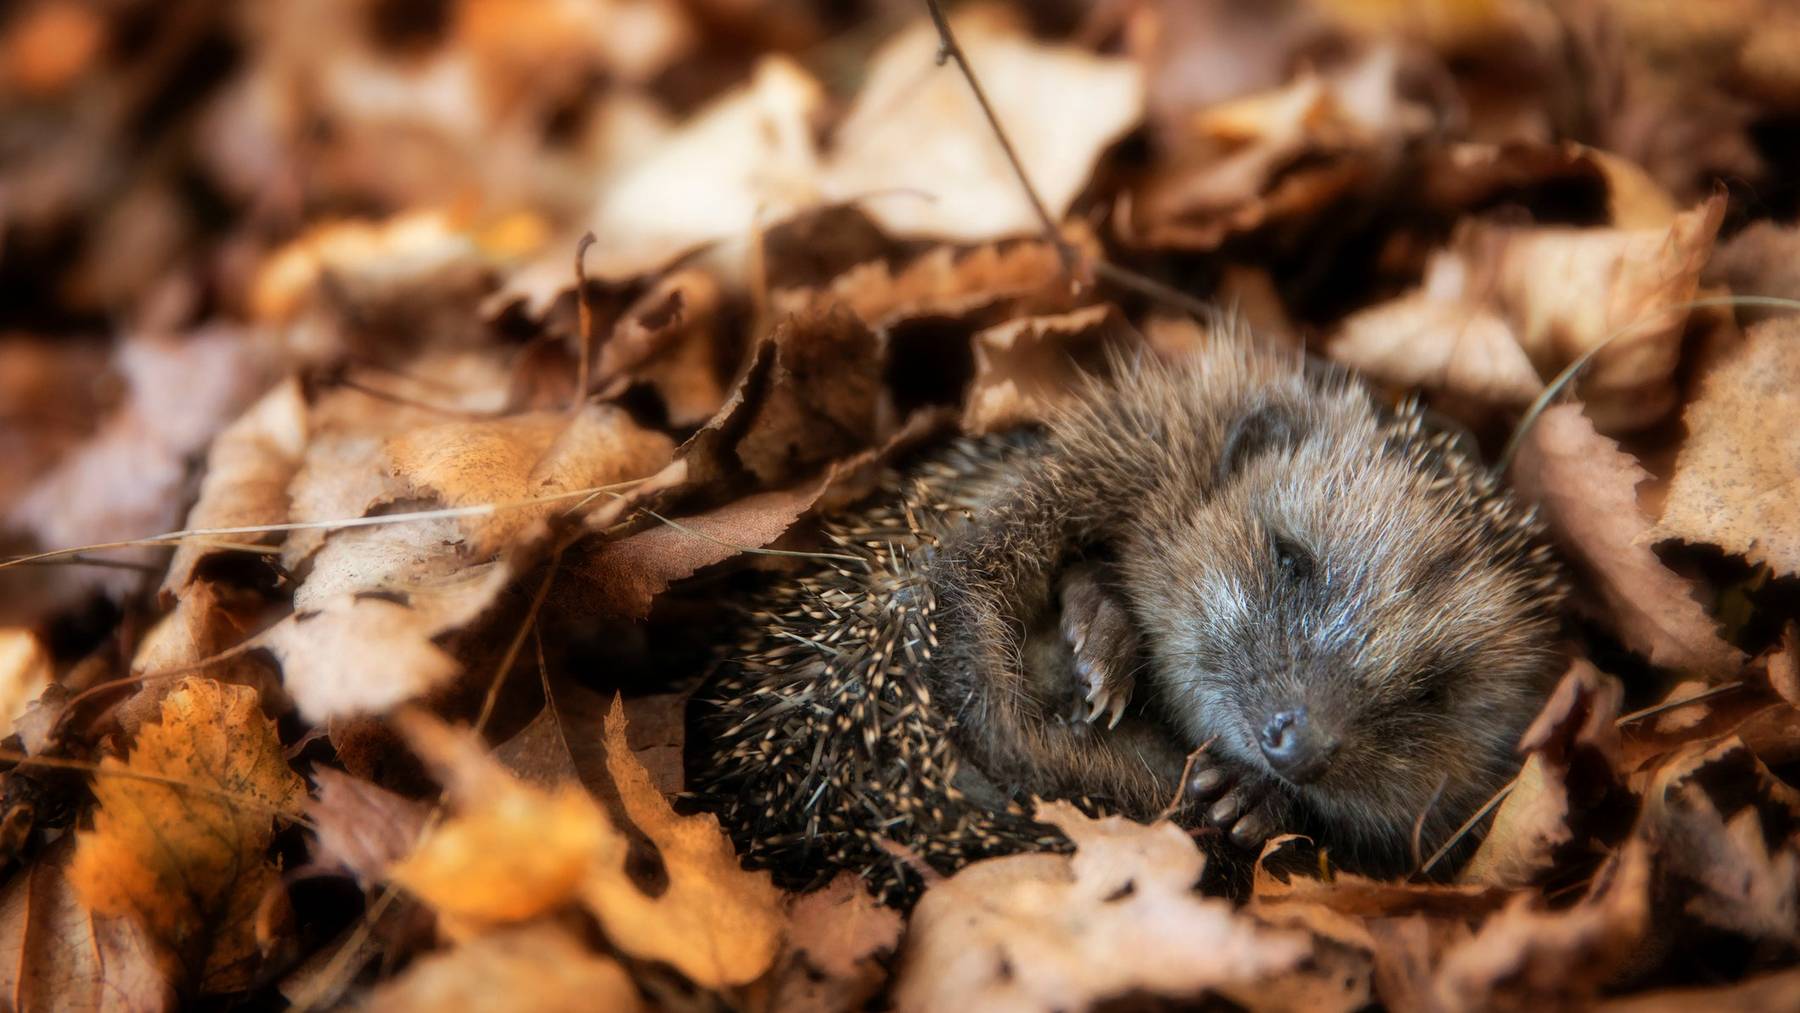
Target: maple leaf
{"points": [[190, 865]]}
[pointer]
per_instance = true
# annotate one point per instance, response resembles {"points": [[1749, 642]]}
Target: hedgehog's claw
{"points": [[1104, 644], [1243, 811]]}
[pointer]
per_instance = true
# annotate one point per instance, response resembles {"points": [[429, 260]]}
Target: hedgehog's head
{"points": [[1354, 610]]}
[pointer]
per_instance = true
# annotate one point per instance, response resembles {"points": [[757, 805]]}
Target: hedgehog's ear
{"points": [[1266, 427]]}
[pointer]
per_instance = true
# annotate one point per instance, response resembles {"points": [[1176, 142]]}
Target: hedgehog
{"points": [[1236, 587]]}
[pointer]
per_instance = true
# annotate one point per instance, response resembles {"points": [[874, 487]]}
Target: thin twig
{"points": [[1567, 377], [1073, 260], [1469, 824], [1669, 705], [950, 49], [1418, 829], [584, 320], [100, 770]]}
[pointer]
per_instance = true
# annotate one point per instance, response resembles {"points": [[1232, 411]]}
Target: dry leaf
{"points": [[1737, 481], [514, 852], [747, 156], [1507, 305], [1574, 738], [56, 955], [1278, 156], [1584, 486], [506, 461], [189, 864], [361, 827], [916, 149], [1525, 955], [1725, 825], [542, 965], [1023, 368], [1040, 931], [836, 940], [248, 470], [629, 573], [24, 672], [984, 285], [713, 921], [1431, 338]]}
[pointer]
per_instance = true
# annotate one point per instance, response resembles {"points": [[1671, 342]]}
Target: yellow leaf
{"points": [[715, 922], [188, 861], [514, 852]]}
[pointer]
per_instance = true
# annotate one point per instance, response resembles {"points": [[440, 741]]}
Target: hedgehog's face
{"points": [[1343, 618]]}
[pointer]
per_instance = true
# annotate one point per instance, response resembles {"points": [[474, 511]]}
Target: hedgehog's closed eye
{"points": [[1295, 562]]}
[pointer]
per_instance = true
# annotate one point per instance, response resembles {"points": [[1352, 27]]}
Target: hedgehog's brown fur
{"points": [[920, 698]]}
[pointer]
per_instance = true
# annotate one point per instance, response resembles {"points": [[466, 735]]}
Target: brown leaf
{"points": [[1773, 991], [1043, 931], [1024, 367], [543, 961], [1506, 305], [836, 940], [56, 955], [365, 651], [986, 284], [1726, 827], [248, 470], [1737, 482], [748, 155], [504, 461], [917, 150], [1575, 738], [629, 573], [1526, 955], [361, 827], [1584, 487], [24, 672], [811, 394], [1431, 338], [1762, 260], [190, 864], [127, 480], [1278, 156], [713, 921]]}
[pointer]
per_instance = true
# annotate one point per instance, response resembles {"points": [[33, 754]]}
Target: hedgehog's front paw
{"points": [[1241, 807], [1103, 641]]}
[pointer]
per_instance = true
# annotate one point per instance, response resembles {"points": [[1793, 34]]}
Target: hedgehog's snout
{"points": [[1298, 748]]}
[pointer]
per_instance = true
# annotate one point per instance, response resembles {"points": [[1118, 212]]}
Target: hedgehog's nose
{"points": [[1295, 747]]}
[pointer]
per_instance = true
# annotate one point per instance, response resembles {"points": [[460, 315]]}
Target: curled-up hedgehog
{"points": [[1332, 606]]}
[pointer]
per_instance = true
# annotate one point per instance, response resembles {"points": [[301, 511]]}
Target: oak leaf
{"points": [[514, 851], [1043, 931]]}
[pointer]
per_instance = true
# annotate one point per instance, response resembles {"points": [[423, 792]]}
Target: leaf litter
{"points": [[389, 712]]}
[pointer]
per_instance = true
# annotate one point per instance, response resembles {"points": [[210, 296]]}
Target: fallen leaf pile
{"points": [[397, 400]]}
